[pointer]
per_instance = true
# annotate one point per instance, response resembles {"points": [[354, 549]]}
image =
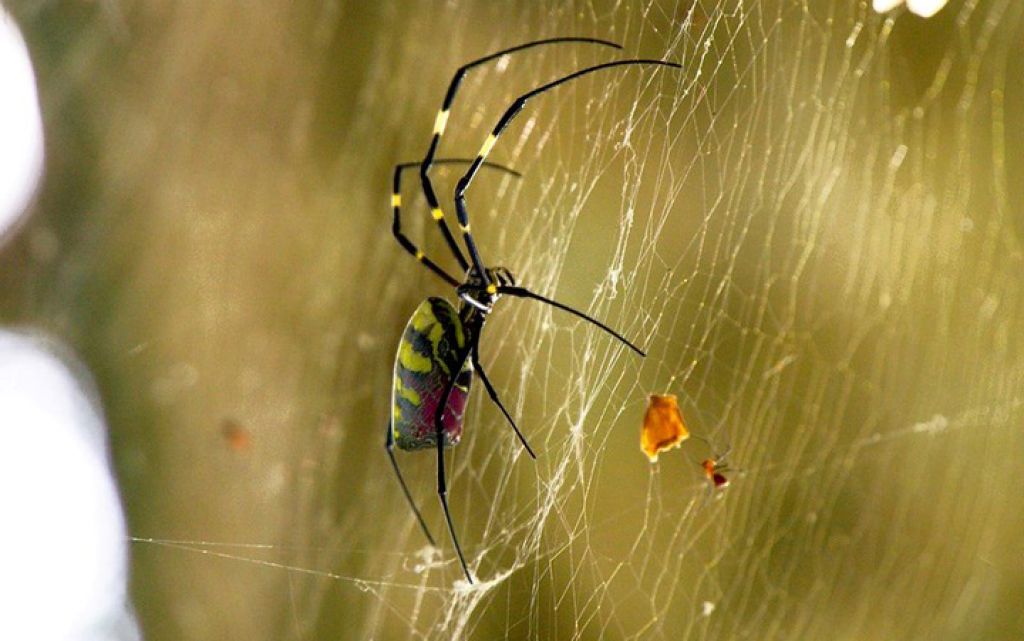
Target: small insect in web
{"points": [[439, 349], [713, 469], [664, 428]]}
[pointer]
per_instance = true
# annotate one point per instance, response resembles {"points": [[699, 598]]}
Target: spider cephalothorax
{"points": [[439, 351], [482, 293]]}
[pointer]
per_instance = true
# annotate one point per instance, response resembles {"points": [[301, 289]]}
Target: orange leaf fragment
{"points": [[663, 426]]}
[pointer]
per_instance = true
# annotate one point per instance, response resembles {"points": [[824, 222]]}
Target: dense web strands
{"points": [[778, 224], [812, 229]]}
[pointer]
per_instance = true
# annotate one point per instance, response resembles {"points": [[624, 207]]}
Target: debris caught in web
{"points": [[664, 428]]}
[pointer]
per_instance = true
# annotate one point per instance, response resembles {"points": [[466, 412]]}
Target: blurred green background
{"points": [[815, 228]]}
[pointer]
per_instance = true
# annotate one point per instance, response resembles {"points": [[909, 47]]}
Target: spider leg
{"points": [[396, 229], [522, 292], [396, 204], [506, 118], [442, 486], [494, 396], [389, 445], [442, 121], [710, 494]]}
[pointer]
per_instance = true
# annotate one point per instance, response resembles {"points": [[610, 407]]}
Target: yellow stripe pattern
{"points": [[441, 122], [413, 360], [407, 393], [488, 145]]}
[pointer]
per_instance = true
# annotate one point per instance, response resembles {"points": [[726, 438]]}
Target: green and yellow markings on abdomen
{"points": [[412, 360], [426, 324], [407, 393], [428, 321]]}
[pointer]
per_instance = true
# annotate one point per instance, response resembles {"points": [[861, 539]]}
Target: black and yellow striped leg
{"points": [[435, 208], [389, 445], [506, 118], [441, 122], [403, 240], [494, 397], [396, 204], [442, 484]]}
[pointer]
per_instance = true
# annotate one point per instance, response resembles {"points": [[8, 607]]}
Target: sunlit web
{"points": [[808, 228]]}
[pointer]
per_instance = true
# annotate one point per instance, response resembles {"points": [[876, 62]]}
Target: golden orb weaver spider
{"points": [[439, 349]]}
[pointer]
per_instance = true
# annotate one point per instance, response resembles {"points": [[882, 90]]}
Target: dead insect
{"points": [[713, 471]]}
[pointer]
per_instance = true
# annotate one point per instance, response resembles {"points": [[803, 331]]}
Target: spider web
{"points": [[813, 229]]}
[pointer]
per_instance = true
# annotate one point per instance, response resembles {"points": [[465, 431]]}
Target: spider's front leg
{"points": [[441, 123], [396, 224], [403, 240], [513, 110]]}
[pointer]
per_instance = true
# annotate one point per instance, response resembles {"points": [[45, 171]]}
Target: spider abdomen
{"points": [[432, 350]]}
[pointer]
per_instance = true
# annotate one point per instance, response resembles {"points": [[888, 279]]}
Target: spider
{"points": [[439, 349]]}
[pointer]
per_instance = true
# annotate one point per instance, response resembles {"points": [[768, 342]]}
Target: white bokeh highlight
{"points": [[62, 544], [21, 126], [923, 8]]}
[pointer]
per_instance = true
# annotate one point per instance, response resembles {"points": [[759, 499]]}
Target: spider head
{"points": [[481, 293]]}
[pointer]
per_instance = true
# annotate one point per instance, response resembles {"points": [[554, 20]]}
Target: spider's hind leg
{"points": [[442, 484], [389, 445]]}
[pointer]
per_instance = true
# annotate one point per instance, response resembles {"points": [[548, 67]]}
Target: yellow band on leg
{"points": [[441, 122], [488, 145]]}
